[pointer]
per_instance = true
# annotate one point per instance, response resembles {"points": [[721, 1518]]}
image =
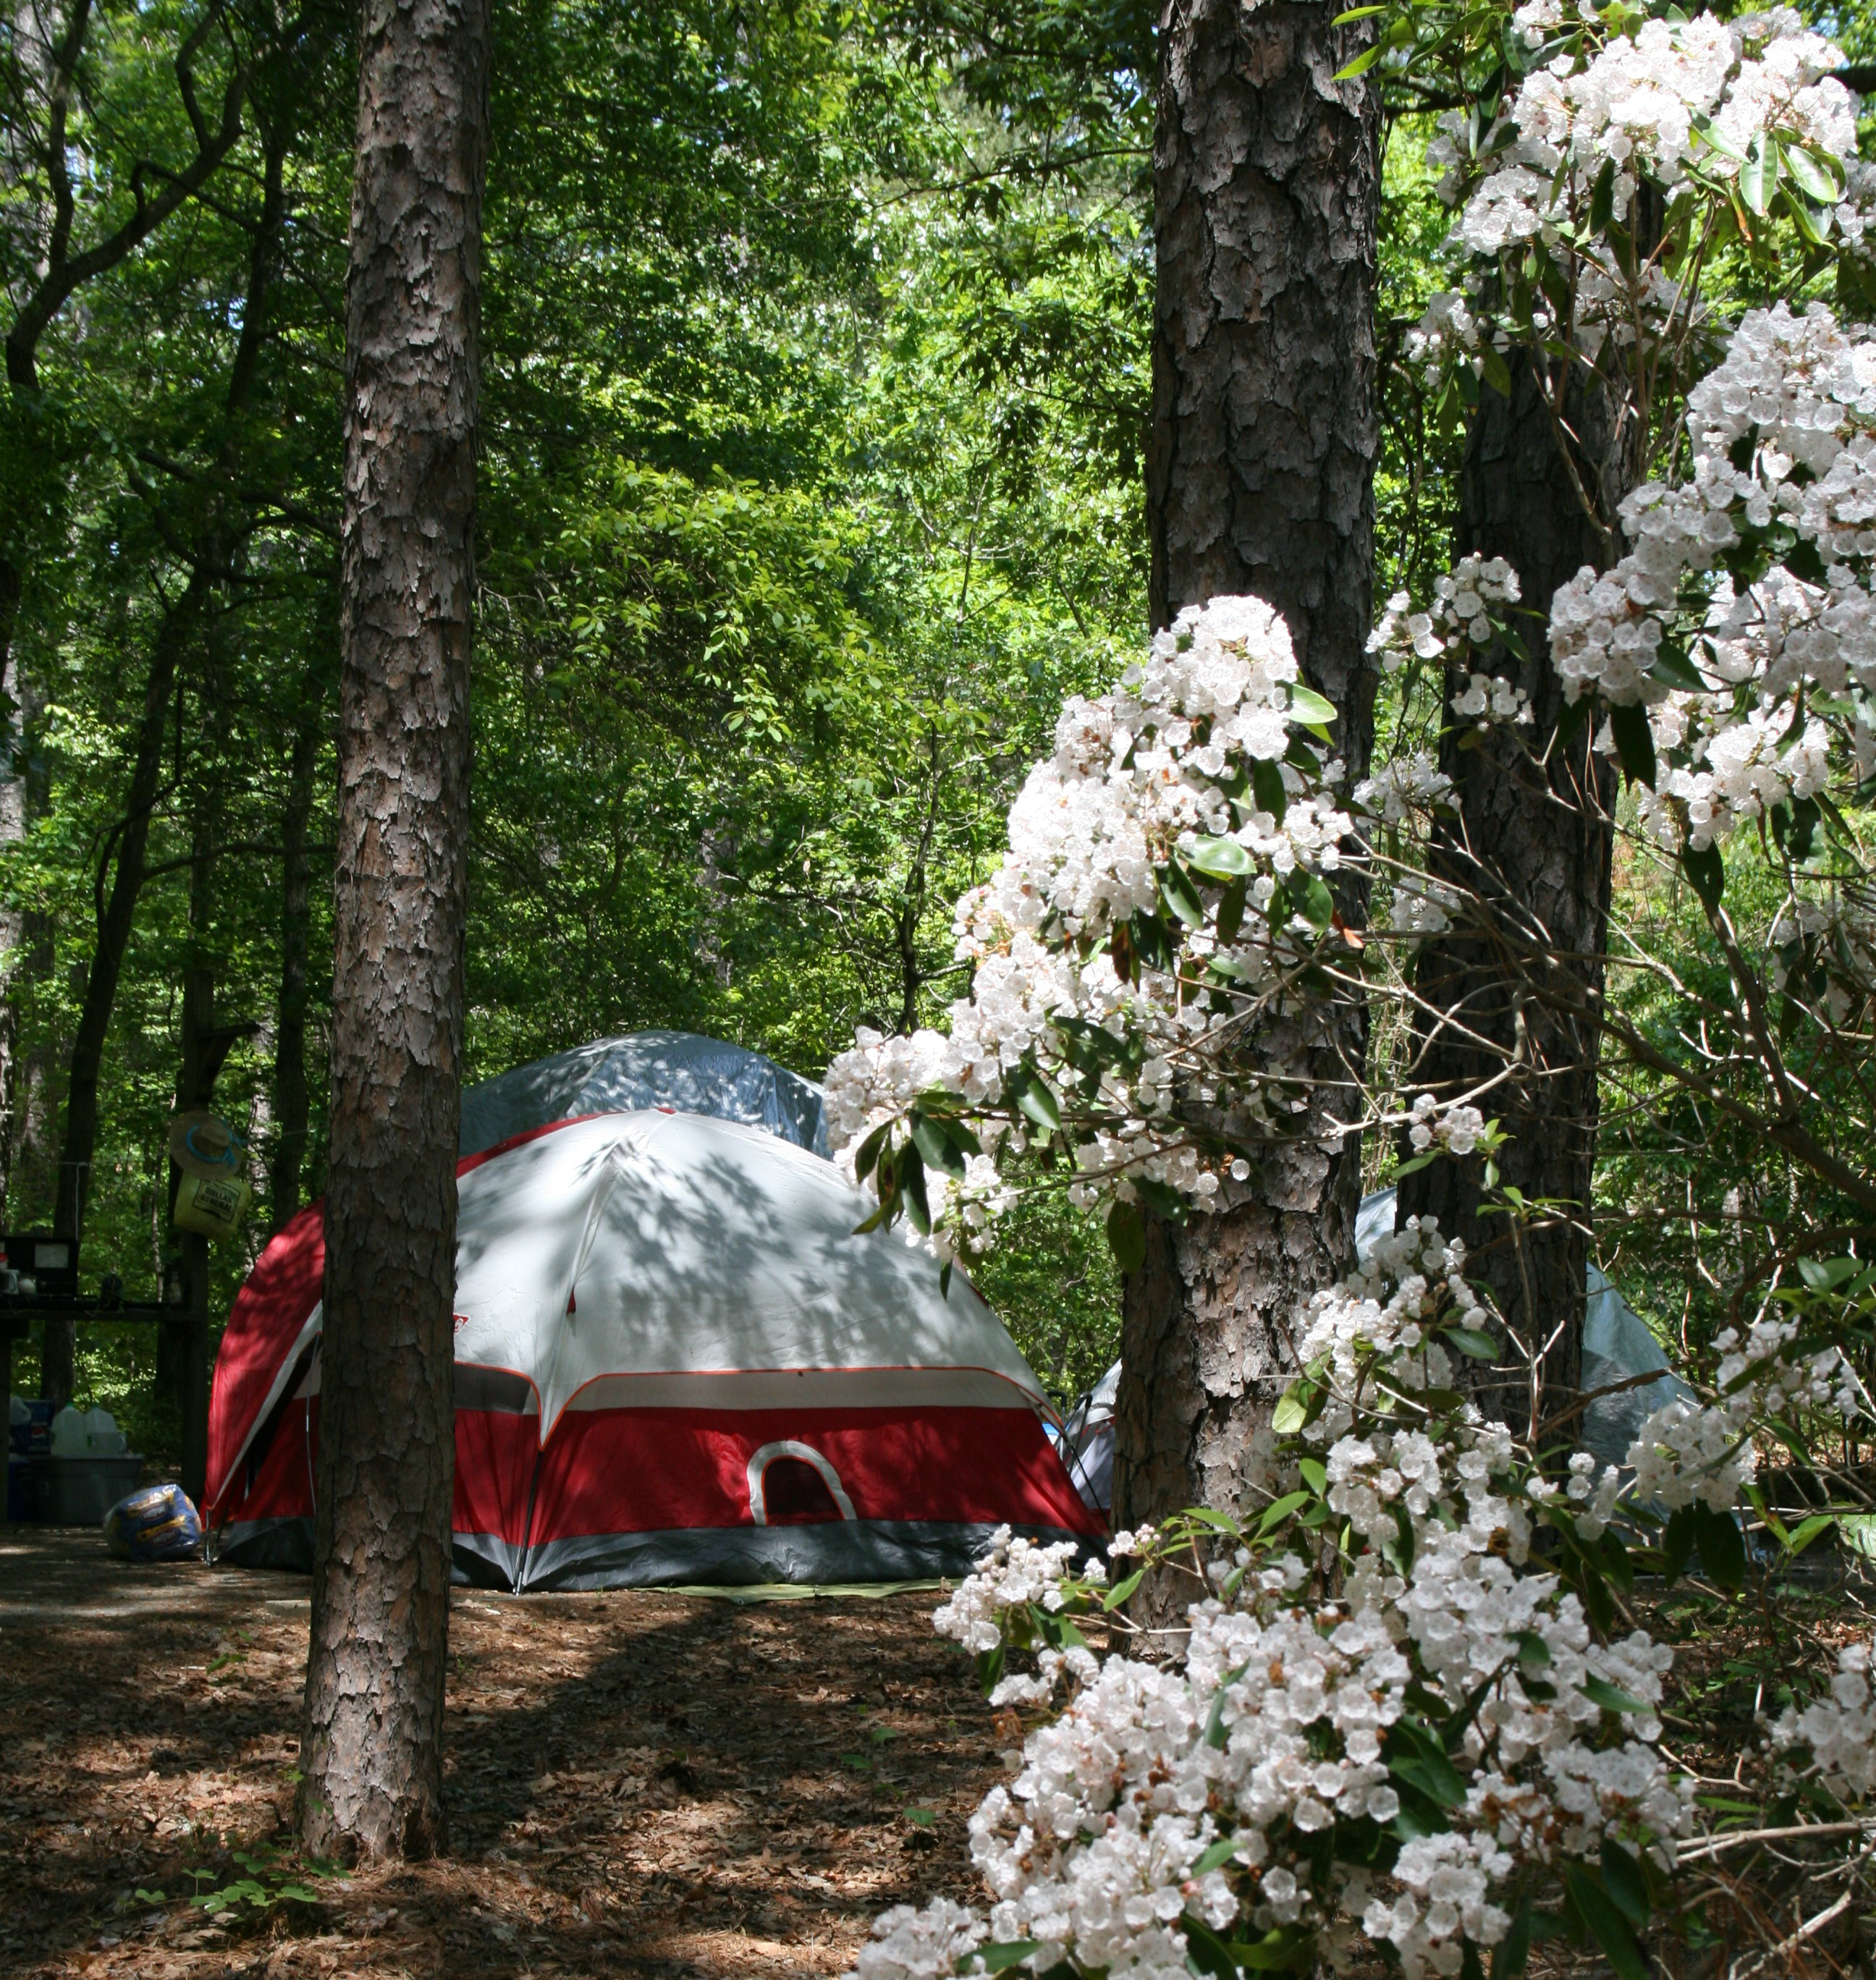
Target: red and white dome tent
{"points": [[676, 1361]]}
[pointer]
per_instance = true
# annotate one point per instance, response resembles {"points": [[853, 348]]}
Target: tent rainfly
{"points": [[672, 1069], [676, 1361]]}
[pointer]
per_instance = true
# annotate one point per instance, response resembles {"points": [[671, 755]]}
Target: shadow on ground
{"points": [[639, 1781]]}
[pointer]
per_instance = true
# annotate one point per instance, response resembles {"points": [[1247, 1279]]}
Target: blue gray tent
{"points": [[677, 1070], [1617, 1345]]}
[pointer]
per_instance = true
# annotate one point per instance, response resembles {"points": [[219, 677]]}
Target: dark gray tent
{"points": [[675, 1070]]}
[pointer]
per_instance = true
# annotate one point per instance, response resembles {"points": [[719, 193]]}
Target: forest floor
{"points": [[638, 1782]]}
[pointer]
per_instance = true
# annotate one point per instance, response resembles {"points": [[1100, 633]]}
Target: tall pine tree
{"points": [[1260, 470], [373, 1754]]}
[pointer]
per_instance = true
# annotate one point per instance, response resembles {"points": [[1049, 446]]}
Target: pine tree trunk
{"points": [[373, 1754], [1259, 479], [1534, 842]]}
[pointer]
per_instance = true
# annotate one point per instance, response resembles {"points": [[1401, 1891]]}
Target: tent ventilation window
{"points": [[791, 1484]]}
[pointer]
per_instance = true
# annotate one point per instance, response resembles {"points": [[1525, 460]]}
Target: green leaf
{"points": [[1812, 223], [1121, 1589], [1315, 1475], [1758, 176], [1033, 1097], [1309, 707], [1355, 14], [944, 1278], [1533, 1651], [1720, 143], [1268, 788], [1808, 1531], [937, 1146], [998, 1959], [1605, 1922], [1496, 372], [1512, 1953], [869, 1151], [921, 1818], [1435, 1776], [1230, 908], [1279, 1510], [1281, 1951], [1292, 1412], [1221, 1852], [1825, 1275], [1599, 1691], [1623, 1878], [1634, 742], [1673, 668], [1817, 176], [1706, 873], [1602, 198], [1205, 1952], [1722, 1548], [1472, 1340], [1312, 899], [1181, 897], [1159, 1198], [1219, 859], [1126, 1236], [912, 1186], [1362, 63]]}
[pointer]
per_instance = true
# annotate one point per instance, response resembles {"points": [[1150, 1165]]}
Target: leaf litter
{"points": [[637, 1781]]}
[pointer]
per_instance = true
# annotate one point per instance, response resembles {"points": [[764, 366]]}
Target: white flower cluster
{"points": [[1460, 618], [1453, 1127], [1156, 769], [1490, 698], [1016, 1571], [1674, 102], [1798, 394], [1165, 1799], [1751, 766], [928, 1944], [1403, 788], [1639, 102], [1420, 906], [1447, 333], [1386, 1308], [1839, 1730], [1686, 1452]]}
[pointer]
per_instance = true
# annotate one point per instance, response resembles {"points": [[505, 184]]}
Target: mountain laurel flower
{"points": [[1436, 1693]]}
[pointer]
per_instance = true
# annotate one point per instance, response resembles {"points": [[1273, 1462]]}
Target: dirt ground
{"points": [[639, 1783]]}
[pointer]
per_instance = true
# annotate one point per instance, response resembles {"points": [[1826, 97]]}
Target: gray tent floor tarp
{"points": [[1618, 1346], [677, 1070]]}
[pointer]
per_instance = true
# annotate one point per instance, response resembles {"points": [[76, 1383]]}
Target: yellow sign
{"points": [[212, 1205]]}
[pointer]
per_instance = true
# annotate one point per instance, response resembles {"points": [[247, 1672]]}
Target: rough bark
{"points": [[1533, 841], [372, 1753], [290, 1103], [1259, 479]]}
